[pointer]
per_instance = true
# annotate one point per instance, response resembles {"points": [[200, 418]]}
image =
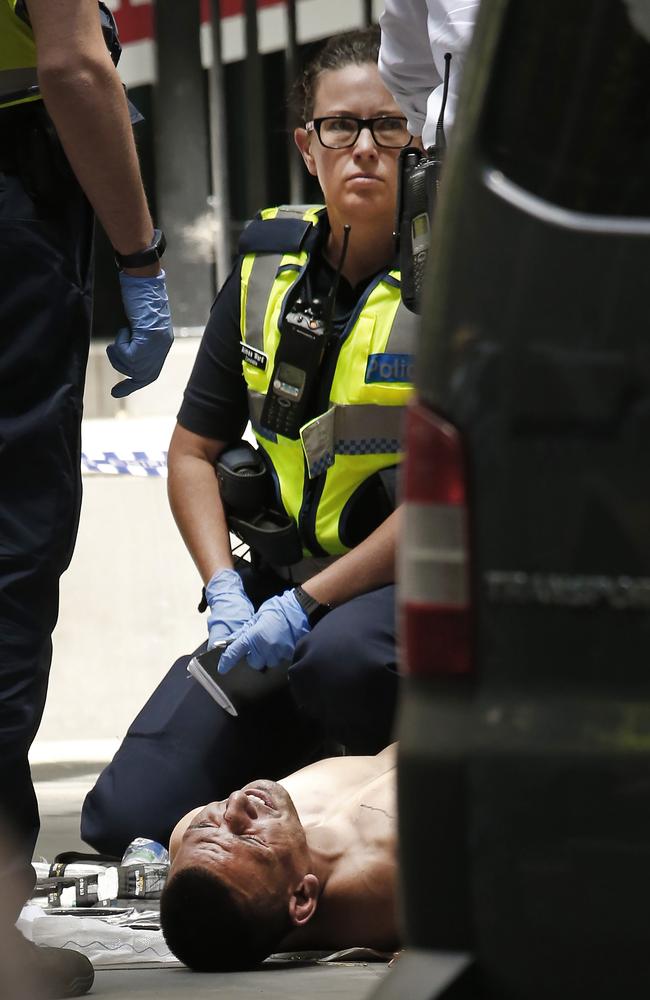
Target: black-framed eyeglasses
{"points": [[340, 131]]}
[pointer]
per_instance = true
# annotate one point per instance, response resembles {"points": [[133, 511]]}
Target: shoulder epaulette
{"points": [[286, 231]]}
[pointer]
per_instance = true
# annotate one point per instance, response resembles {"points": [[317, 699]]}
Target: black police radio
{"points": [[418, 180], [306, 331]]}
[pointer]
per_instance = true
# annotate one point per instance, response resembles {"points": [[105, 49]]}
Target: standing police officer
{"points": [[66, 149]]}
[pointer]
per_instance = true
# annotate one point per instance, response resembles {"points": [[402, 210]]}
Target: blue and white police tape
{"points": [[127, 463]]}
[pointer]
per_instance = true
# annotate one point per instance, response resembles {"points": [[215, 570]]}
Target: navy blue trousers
{"points": [[45, 317], [183, 750]]}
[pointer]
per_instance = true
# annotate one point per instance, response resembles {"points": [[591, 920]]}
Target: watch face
{"points": [[159, 241]]}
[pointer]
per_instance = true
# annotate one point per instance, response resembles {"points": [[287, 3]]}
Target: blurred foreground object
{"points": [[524, 581]]}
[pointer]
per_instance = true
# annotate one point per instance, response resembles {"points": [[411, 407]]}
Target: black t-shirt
{"points": [[215, 402]]}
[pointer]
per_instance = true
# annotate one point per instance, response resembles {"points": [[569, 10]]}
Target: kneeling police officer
{"points": [[309, 340]]}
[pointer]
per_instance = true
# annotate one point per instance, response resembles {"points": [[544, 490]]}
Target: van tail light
{"points": [[433, 577]]}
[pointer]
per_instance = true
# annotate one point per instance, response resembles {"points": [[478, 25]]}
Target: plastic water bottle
{"points": [[144, 851], [143, 870]]}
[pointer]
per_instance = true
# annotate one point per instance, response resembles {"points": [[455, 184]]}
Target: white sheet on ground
{"points": [[106, 941]]}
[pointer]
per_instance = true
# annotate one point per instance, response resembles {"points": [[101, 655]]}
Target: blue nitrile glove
{"points": [[270, 637], [230, 607], [140, 351]]}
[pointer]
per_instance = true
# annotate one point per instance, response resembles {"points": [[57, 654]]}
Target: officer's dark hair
{"points": [[350, 48], [210, 930]]}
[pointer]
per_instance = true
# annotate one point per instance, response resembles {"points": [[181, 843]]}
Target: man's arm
{"points": [[85, 99]]}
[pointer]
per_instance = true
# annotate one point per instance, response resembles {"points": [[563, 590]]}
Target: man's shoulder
{"points": [[335, 783]]}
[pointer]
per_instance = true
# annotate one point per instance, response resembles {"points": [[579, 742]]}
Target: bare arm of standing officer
{"points": [[84, 97]]}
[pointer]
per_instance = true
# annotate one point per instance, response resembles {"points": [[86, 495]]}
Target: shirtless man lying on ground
{"points": [[305, 863]]}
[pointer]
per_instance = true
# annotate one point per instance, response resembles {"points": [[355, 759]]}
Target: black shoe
{"points": [[53, 973]]}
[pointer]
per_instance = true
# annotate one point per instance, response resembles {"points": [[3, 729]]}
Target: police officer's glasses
{"points": [[338, 132]]}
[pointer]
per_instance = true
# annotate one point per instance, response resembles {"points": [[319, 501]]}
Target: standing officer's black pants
{"points": [[45, 316], [183, 750]]}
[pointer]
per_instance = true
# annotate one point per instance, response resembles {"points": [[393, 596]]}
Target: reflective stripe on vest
{"points": [[357, 430], [256, 290], [18, 79], [361, 432]]}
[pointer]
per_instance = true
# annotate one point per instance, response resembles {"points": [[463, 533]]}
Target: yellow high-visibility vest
{"points": [[360, 431], [18, 78]]}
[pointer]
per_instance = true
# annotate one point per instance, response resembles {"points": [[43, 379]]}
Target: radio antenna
{"points": [[441, 142], [331, 298]]}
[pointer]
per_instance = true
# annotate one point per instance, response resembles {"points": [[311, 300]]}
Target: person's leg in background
{"points": [[45, 316], [344, 674]]}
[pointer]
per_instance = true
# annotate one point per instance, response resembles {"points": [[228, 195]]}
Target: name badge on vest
{"points": [[389, 368], [257, 359]]}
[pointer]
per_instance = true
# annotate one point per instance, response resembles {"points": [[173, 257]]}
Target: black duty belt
{"points": [[15, 122]]}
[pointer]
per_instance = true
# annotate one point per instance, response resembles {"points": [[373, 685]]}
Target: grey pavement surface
{"points": [[128, 609], [337, 982]]}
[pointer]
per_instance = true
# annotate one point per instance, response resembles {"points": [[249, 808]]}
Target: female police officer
{"points": [[182, 749]]}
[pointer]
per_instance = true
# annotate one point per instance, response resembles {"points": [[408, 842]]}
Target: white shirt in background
{"points": [[415, 35]]}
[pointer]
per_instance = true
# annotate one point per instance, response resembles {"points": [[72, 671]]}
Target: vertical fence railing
{"points": [[181, 151], [254, 103], [220, 200], [291, 66]]}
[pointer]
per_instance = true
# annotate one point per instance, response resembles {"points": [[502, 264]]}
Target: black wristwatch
{"points": [[143, 258], [311, 606]]}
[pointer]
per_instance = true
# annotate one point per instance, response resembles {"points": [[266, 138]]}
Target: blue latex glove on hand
{"points": [[270, 637], [140, 351], [230, 607]]}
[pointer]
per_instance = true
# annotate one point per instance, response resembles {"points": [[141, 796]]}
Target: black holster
{"points": [[248, 495], [254, 513]]}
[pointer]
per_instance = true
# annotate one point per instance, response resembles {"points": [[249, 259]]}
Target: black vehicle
{"points": [[524, 767]]}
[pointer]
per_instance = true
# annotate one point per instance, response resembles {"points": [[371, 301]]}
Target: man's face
{"points": [[253, 840]]}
